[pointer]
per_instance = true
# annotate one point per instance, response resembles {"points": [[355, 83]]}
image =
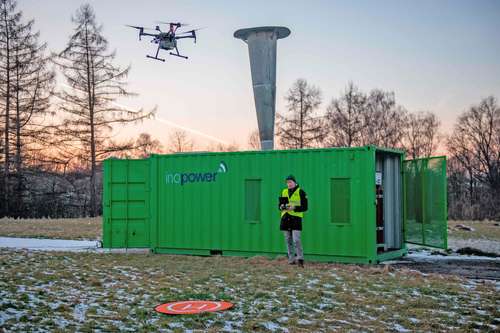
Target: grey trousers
{"points": [[292, 239]]}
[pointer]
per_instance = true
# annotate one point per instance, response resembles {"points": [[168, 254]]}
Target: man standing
{"points": [[293, 204]]}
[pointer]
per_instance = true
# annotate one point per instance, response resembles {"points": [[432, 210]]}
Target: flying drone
{"points": [[166, 40]]}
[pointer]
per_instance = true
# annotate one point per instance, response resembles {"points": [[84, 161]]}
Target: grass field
{"points": [[110, 292], [485, 236], [488, 230], [82, 228], [91, 228], [56, 291]]}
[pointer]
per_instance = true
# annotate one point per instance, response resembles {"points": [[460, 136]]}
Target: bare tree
{"points": [[95, 83], [9, 20], [464, 199], [421, 135], [221, 147], [25, 87], [179, 142], [145, 145], [346, 118], [32, 89], [384, 120], [254, 140], [301, 127], [475, 144]]}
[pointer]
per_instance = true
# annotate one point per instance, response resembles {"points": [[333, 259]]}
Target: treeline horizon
{"points": [[53, 140]]}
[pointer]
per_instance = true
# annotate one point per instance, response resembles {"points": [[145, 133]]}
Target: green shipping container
{"points": [[365, 203]]}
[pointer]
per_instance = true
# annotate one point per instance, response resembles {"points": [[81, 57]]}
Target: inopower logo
{"points": [[183, 178]]}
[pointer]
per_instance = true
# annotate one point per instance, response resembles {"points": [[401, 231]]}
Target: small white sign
{"points": [[378, 178]]}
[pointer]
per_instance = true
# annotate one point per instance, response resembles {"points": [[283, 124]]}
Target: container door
{"points": [[425, 202], [126, 203]]}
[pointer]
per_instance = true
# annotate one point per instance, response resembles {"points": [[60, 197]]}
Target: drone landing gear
{"points": [[156, 58], [156, 55], [177, 54]]}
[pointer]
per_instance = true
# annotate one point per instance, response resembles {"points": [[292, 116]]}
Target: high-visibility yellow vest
{"points": [[293, 200]]}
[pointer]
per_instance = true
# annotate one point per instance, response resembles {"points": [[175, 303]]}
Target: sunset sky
{"points": [[440, 56]]}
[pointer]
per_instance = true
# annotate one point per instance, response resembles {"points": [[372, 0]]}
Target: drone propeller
{"points": [[141, 29], [189, 31], [179, 24], [134, 26]]}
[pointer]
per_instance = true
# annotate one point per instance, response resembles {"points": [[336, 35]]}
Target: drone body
{"points": [[166, 40]]}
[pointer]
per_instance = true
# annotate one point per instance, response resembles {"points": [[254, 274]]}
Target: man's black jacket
{"points": [[289, 222]]}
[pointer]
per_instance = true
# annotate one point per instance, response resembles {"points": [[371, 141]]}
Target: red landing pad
{"points": [[192, 307]]}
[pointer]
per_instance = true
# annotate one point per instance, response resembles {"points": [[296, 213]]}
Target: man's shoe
{"points": [[292, 263], [301, 263]]}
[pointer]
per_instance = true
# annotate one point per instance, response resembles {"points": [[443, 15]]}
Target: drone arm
{"points": [[147, 34], [185, 37], [192, 32]]}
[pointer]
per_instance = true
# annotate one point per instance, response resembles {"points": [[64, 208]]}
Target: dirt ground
{"points": [[484, 236], [477, 269], [487, 268]]}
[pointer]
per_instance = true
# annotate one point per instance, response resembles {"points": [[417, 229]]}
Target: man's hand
{"points": [[290, 208]]}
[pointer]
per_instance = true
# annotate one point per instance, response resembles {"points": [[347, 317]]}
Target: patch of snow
{"points": [[446, 313], [428, 256], [312, 282], [400, 328], [339, 321], [63, 245], [47, 244], [55, 305], [304, 322], [271, 326], [79, 312], [62, 323], [176, 325], [229, 326], [470, 285]]}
